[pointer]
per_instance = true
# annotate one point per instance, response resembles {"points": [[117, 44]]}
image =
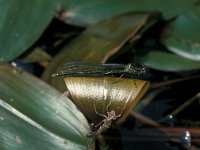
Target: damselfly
{"points": [[83, 69]]}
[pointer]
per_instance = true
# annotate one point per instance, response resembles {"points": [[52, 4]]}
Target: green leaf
{"points": [[19, 132], [37, 108], [88, 12], [168, 62], [21, 23], [183, 38], [97, 43]]}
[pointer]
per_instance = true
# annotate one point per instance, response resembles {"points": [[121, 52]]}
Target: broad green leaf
{"points": [[36, 106], [88, 12], [168, 62], [21, 23], [183, 38], [97, 43], [17, 132]]}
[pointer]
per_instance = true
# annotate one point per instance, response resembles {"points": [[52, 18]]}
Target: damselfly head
{"points": [[137, 69]]}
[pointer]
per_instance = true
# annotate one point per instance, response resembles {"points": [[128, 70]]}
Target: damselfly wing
{"points": [[95, 70]]}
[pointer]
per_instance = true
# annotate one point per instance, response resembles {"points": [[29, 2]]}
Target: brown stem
{"points": [[185, 105], [144, 119], [160, 84]]}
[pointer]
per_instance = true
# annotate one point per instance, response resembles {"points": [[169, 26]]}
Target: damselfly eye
{"points": [[120, 94]]}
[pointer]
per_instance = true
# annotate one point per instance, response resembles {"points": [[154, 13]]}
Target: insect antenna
{"points": [[107, 107], [104, 116]]}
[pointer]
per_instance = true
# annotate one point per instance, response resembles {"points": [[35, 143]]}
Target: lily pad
{"points": [[168, 62], [21, 24], [183, 35], [88, 12]]}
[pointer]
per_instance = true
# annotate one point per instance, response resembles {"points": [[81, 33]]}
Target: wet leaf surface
{"points": [[32, 104]]}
